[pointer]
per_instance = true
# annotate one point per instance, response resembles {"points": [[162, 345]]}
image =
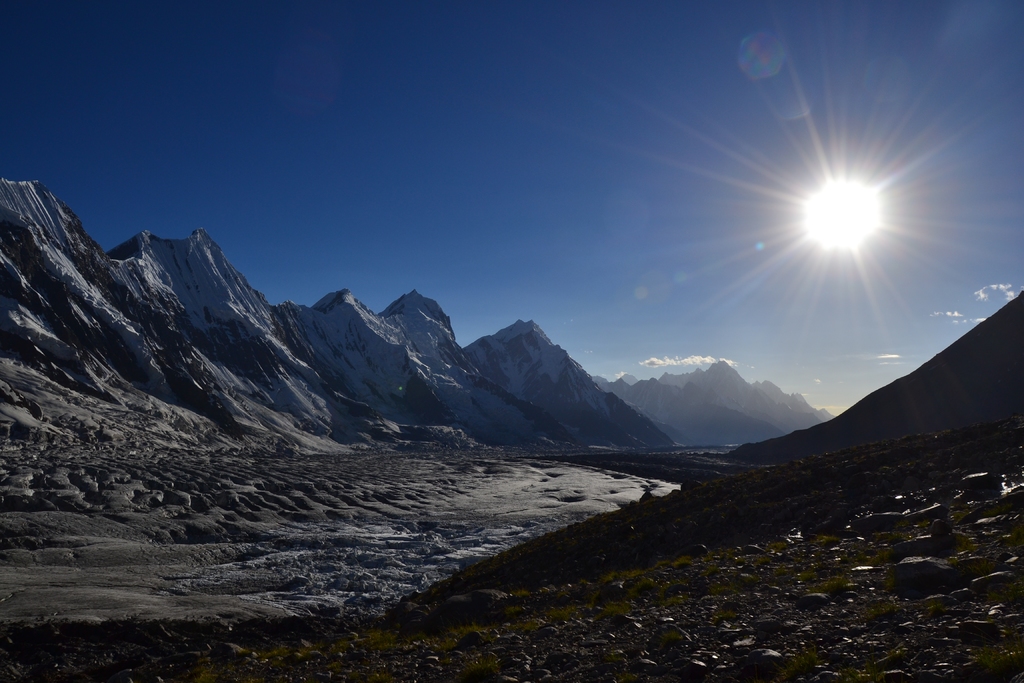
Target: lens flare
{"points": [[842, 214], [761, 55]]}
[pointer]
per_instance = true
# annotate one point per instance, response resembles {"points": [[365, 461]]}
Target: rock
{"points": [[981, 584], [762, 664], [911, 483], [936, 511], [616, 590], [923, 573], [826, 677], [940, 528], [972, 631], [693, 670], [476, 607], [471, 639], [896, 676], [813, 601], [226, 651], [880, 521], [124, 676], [926, 546], [981, 481]]}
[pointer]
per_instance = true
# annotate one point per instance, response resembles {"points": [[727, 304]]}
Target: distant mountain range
{"points": [[978, 378], [164, 341], [715, 406]]}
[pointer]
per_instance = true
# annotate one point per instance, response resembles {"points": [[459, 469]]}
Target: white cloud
{"points": [[619, 375], [689, 360], [969, 321], [886, 356], [1007, 290], [948, 314], [817, 381]]}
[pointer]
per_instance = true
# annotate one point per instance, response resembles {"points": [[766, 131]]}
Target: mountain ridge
{"points": [[171, 322]]}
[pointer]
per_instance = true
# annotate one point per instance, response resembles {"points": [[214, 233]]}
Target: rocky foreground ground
{"points": [[890, 562]]}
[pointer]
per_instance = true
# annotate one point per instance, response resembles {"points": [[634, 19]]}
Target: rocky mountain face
{"points": [[522, 360], [978, 378], [717, 406], [165, 339]]}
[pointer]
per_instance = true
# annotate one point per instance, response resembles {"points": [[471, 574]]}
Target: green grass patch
{"points": [[612, 609], [480, 669], [710, 570], [520, 593], [561, 614], [934, 608], [642, 586], [807, 575], [833, 586], [1011, 592], [880, 610], [626, 678], [963, 544], [973, 567], [826, 540], [1015, 538], [377, 639], [379, 677], [722, 615], [798, 665], [1004, 660], [686, 561], [513, 612], [777, 546], [669, 638], [721, 589]]}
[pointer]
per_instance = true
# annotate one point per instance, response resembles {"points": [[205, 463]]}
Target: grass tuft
{"points": [[800, 664], [880, 610], [480, 669], [1003, 660]]}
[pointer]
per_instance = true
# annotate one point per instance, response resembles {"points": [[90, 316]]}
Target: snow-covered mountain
{"points": [[166, 339], [522, 360], [717, 406]]}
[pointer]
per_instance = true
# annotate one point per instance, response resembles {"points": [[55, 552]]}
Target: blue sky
{"points": [[609, 170]]}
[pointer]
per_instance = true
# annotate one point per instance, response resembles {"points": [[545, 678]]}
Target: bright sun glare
{"points": [[842, 214]]}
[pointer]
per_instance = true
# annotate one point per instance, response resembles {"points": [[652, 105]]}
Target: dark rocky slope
{"points": [[980, 377], [895, 561]]}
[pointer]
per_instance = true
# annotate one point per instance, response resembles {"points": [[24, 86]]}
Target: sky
{"points": [[634, 177]]}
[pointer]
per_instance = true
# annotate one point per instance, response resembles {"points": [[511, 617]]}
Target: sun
{"points": [[842, 214]]}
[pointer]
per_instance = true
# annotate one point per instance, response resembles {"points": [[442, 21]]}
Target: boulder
{"points": [[813, 601], [924, 573], [762, 664], [981, 584], [880, 521], [926, 546], [479, 607], [936, 511]]}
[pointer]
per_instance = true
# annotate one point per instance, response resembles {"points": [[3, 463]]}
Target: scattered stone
{"points": [[981, 584], [972, 631], [812, 601], [880, 521], [926, 546], [923, 573]]}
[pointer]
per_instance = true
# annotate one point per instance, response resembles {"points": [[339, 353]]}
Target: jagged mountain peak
{"points": [[520, 328], [415, 303], [32, 201], [329, 302]]}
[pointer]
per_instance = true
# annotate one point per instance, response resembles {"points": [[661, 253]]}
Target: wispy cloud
{"points": [[817, 381], [1007, 291], [887, 356], [948, 314], [968, 321], [689, 360]]}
